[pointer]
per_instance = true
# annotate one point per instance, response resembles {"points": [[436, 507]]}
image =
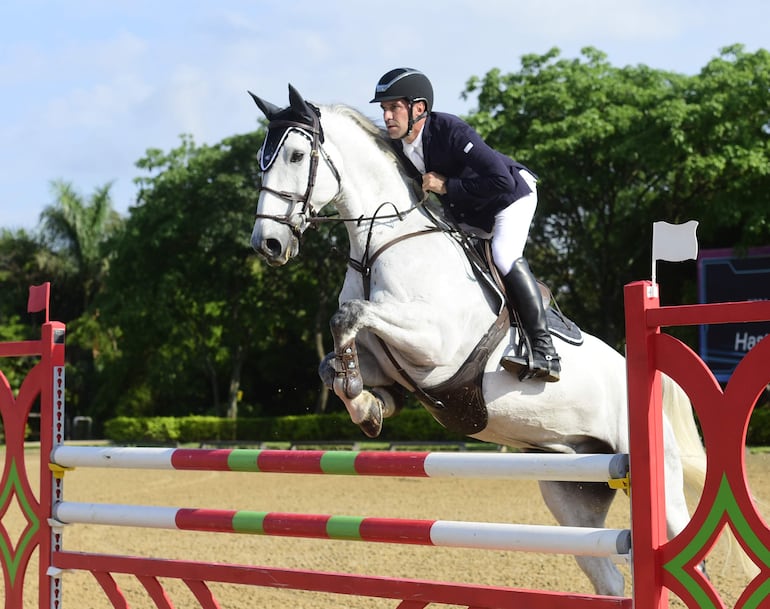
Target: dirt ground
{"points": [[446, 499]]}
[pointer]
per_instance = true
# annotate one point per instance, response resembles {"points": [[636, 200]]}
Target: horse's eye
{"points": [[297, 156]]}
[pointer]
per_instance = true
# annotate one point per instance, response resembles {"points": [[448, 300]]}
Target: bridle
{"points": [[299, 221]]}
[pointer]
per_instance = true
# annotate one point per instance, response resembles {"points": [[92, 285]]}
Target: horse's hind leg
{"points": [[585, 504]]}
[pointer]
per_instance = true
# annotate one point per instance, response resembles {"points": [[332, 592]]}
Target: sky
{"points": [[87, 87]]}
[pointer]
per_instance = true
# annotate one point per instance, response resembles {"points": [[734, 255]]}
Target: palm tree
{"points": [[75, 231]]}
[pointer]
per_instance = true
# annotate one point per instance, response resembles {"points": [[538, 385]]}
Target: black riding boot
{"points": [[542, 362]]}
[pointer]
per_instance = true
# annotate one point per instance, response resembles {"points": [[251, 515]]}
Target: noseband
{"points": [[299, 221]]}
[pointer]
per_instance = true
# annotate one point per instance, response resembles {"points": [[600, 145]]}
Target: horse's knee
{"points": [[345, 319]]}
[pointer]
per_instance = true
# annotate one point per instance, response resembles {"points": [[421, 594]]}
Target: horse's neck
{"points": [[382, 223], [374, 190]]}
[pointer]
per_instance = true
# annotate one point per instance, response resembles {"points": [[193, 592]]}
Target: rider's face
{"points": [[395, 113]]}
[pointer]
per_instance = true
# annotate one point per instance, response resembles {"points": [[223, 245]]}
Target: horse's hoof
{"points": [[371, 428], [702, 568], [327, 371], [372, 425]]}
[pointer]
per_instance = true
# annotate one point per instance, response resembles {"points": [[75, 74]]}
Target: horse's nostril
{"points": [[273, 247]]}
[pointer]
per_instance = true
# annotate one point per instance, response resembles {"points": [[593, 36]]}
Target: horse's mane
{"points": [[379, 136]]}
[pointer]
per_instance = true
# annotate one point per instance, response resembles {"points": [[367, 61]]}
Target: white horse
{"points": [[412, 309]]}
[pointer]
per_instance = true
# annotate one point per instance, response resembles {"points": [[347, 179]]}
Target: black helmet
{"points": [[404, 83]]}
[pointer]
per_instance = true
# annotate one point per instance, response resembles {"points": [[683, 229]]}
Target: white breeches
{"points": [[511, 229]]}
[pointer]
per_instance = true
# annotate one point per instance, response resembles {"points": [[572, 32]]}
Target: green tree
{"points": [[200, 318], [619, 148], [20, 253], [724, 169], [20, 267], [73, 233]]}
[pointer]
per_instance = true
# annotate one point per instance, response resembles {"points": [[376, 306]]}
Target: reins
{"points": [[364, 266]]}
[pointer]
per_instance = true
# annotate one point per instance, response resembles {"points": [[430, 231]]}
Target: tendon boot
{"points": [[542, 361]]}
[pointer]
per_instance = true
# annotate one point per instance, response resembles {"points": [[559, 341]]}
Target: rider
{"points": [[484, 191]]}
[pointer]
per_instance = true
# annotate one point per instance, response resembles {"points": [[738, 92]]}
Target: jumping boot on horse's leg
{"points": [[542, 362]]}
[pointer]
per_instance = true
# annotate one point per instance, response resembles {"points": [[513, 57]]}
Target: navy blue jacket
{"points": [[480, 180]]}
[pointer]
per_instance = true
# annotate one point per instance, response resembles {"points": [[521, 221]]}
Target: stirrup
{"points": [[546, 370]]}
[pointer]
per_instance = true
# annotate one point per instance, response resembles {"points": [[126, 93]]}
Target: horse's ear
{"points": [[296, 101], [305, 109], [268, 109]]}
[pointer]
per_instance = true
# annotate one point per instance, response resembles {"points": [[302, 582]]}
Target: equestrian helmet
{"points": [[404, 83]]}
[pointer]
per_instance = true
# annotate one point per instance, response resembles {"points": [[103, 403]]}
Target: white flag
{"points": [[674, 242]]}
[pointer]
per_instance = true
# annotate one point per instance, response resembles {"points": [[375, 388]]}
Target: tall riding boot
{"points": [[541, 362]]}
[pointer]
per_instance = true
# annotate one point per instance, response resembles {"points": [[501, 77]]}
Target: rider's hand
{"points": [[434, 182]]}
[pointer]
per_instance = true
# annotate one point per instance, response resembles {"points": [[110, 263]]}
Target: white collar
{"points": [[416, 144], [414, 152]]}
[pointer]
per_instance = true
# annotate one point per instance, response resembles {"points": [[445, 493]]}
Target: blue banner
{"points": [[724, 276]]}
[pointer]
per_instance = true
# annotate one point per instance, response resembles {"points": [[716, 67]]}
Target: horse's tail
{"points": [[678, 409]]}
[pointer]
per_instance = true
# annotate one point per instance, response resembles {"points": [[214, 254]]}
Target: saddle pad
{"points": [[563, 327]]}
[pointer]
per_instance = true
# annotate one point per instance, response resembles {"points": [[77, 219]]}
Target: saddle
{"points": [[458, 403]]}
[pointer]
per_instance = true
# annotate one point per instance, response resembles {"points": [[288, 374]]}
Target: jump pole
{"points": [[511, 466], [578, 541]]}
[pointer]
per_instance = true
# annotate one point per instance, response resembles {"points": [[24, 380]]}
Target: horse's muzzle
{"points": [[274, 250]]}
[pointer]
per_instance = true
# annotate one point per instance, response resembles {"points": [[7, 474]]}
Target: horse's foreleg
{"points": [[368, 408], [409, 328]]}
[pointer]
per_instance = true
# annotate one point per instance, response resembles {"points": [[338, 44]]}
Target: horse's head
{"points": [[298, 177]]}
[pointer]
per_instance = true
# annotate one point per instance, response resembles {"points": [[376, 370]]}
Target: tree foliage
{"points": [[619, 148], [67, 250], [201, 320]]}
